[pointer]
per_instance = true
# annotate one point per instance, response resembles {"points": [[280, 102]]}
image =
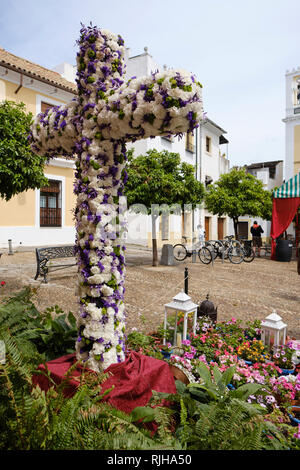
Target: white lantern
{"points": [[273, 332], [181, 303]]}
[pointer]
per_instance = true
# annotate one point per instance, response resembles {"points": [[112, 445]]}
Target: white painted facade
{"points": [[208, 165], [292, 123], [271, 175]]}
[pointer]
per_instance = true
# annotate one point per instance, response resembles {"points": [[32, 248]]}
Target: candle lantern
{"points": [[273, 332], [181, 304], [207, 309]]}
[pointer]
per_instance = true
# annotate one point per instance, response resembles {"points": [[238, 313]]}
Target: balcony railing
{"points": [[50, 217]]}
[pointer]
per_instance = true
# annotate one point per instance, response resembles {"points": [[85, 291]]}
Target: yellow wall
{"points": [[296, 149], [24, 95], [19, 211]]}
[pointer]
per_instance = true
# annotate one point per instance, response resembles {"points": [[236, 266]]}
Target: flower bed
{"points": [[228, 344]]}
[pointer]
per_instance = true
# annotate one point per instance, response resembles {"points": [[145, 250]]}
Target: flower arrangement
{"points": [[95, 127], [253, 351], [285, 388], [283, 356]]}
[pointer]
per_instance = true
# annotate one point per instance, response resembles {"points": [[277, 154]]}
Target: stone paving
{"points": [[246, 291]]}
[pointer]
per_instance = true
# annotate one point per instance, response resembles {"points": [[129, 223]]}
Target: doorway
{"points": [[220, 228], [207, 228]]}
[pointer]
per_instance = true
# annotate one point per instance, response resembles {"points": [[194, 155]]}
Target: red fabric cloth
{"points": [[133, 379], [283, 212]]}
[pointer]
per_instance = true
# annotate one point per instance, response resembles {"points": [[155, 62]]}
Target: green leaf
{"points": [[245, 390], [143, 413]]}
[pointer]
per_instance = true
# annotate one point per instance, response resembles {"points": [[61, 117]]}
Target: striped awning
{"points": [[289, 189]]}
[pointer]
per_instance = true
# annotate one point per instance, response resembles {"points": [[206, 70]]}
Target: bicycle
{"points": [[181, 252], [248, 251], [228, 249]]}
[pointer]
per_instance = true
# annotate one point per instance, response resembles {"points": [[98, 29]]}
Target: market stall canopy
{"points": [[285, 204], [289, 189]]}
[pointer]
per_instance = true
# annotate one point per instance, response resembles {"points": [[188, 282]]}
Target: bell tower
{"points": [[292, 123]]}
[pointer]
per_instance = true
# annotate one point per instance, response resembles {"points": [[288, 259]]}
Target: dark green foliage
{"points": [[31, 419], [202, 416], [20, 168], [238, 193], [209, 416], [158, 182], [145, 344], [158, 178], [50, 334]]}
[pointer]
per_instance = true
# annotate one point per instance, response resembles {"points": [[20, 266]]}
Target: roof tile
{"points": [[33, 70]]}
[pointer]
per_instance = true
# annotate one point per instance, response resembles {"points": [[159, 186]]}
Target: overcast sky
{"points": [[238, 49]]}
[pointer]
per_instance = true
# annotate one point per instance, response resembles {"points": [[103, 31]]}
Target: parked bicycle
{"points": [[181, 251], [229, 248], [249, 253]]}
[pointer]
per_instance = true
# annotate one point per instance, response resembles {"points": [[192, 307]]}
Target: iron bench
{"points": [[43, 255]]}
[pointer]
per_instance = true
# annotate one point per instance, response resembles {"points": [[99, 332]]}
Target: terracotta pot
{"points": [[178, 374], [295, 402]]}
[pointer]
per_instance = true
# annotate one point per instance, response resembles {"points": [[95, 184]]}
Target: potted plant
{"points": [[253, 351], [294, 414], [282, 357]]}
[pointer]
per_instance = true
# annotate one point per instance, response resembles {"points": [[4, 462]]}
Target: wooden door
{"points": [[220, 228], [207, 231], [243, 230]]}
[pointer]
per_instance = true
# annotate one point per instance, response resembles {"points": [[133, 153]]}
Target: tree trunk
{"points": [[154, 241], [235, 225]]}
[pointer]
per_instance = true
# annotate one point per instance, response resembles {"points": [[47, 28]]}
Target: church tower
{"points": [[292, 123]]}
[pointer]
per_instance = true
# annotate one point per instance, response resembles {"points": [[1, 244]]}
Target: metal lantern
{"points": [[273, 332], [181, 303], [207, 309]]}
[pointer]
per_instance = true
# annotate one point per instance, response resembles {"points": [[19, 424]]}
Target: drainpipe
{"points": [[21, 84]]}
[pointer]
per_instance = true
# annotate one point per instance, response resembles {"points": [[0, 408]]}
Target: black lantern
{"points": [[207, 309]]}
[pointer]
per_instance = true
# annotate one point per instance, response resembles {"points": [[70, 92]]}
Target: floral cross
{"points": [[94, 127]]}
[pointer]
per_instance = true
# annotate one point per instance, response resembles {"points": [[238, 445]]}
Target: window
{"points": [[45, 106], [272, 172], [208, 144], [50, 205], [208, 180], [189, 142]]}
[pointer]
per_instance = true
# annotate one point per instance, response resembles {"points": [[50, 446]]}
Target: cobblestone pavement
{"points": [[246, 291]]}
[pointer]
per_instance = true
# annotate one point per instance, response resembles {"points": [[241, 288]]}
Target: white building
{"points": [[207, 151], [271, 175], [292, 123], [39, 88]]}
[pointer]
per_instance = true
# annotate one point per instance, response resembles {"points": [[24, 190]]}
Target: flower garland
{"points": [[95, 127]]}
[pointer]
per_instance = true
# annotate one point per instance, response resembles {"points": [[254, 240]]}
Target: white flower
{"points": [[106, 290]]}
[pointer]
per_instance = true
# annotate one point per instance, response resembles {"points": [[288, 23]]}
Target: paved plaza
{"points": [[245, 291]]}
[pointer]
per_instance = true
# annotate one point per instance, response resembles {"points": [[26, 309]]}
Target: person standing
{"points": [[201, 234], [256, 232]]}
